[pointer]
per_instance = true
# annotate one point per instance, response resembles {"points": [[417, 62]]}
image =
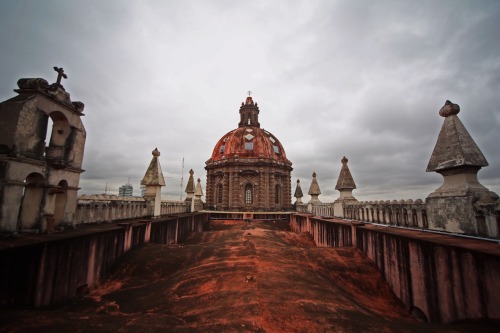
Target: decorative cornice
{"points": [[54, 91]]}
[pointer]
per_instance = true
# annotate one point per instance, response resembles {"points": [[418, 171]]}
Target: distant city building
{"points": [[126, 190]]}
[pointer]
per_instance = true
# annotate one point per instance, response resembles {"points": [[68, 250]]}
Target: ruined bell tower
{"points": [[41, 153]]}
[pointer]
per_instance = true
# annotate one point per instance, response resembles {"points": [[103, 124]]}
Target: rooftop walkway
{"points": [[236, 278]]}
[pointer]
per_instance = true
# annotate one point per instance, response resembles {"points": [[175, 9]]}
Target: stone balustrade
{"points": [[107, 208], [317, 209], [406, 213]]}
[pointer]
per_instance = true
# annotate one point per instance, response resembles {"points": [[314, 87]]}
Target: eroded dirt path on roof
{"points": [[234, 279]]}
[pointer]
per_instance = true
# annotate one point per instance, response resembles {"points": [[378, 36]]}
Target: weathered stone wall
{"points": [[441, 277], [447, 282], [107, 208], [324, 234], [232, 175], [470, 215], [51, 269]]}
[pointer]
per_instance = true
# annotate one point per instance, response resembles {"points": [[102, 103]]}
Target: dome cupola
{"points": [[249, 113], [248, 169], [249, 140]]}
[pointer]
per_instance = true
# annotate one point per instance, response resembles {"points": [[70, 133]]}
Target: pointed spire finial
{"points": [[190, 185], [298, 191], [454, 147], [345, 180], [198, 191], [314, 188]]}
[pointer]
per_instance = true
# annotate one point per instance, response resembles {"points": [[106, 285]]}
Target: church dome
{"points": [[248, 169], [249, 140]]}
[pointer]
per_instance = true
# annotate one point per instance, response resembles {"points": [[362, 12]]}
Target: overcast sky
{"points": [[364, 79]]}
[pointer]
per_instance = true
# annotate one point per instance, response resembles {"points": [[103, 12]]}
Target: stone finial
{"points": [[154, 175], [345, 185], [153, 179], [198, 192], [452, 207], [314, 190], [298, 191], [345, 180], [454, 147], [190, 185], [449, 109]]}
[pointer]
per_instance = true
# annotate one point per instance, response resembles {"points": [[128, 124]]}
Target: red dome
{"points": [[249, 142]]}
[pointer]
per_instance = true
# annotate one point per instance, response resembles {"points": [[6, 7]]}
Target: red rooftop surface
{"points": [[236, 278]]}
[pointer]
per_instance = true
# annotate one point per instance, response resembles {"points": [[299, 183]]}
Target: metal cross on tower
{"points": [[249, 93], [60, 74]]}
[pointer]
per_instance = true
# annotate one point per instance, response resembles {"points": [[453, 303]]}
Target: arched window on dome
{"points": [[248, 194], [277, 194], [219, 193]]}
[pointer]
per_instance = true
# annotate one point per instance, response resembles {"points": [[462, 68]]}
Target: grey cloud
{"points": [[359, 79]]}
